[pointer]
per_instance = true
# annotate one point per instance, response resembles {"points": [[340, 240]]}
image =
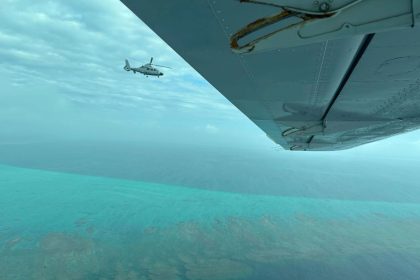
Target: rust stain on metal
{"points": [[256, 25], [266, 21]]}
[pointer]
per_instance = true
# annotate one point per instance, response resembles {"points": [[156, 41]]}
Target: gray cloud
{"points": [[67, 57], [80, 47]]}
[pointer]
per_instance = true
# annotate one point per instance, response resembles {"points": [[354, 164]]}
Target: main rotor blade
{"points": [[161, 66]]}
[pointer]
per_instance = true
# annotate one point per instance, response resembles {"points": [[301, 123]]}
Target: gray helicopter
{"points": [[147, 69]]}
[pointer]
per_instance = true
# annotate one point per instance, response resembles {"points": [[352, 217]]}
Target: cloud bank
{"points": [[61, 67]]}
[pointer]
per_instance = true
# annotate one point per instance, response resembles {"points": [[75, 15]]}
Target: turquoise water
{"points": [[63, 226]]}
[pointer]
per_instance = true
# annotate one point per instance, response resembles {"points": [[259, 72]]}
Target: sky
{"points": [[62, 78]]}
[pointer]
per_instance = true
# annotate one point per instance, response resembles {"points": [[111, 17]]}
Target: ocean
{"points": [[64, 219]]}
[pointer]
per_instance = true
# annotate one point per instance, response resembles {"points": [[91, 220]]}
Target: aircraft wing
{"points": [[332, 93]]}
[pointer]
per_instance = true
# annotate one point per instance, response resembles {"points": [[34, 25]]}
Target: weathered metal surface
{"points": [[266, 21], [325, 20], [308, 6]]}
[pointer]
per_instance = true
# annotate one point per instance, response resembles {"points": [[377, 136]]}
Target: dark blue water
{"points": [[317, 175]]}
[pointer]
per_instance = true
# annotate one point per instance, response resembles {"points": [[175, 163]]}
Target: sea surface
{"points": [[63, 224]]}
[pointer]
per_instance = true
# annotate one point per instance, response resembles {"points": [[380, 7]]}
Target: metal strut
{"points": [[324, 21]]}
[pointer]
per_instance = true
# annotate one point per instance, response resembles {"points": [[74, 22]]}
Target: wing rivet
{"points": [[324, 7]]}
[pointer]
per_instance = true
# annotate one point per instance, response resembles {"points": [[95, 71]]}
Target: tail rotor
{"points": [[127, 66]]}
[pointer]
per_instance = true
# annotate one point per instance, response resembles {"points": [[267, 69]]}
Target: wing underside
{"points": [[330, 95]]}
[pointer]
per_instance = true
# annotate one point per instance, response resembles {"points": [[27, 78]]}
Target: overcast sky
{"points": [[62, 77]]}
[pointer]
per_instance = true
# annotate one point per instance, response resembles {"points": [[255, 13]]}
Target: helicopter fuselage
{"points": [[147, 70]]}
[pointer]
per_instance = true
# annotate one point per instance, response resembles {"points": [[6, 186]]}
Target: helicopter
{"points": [[146, 69]]}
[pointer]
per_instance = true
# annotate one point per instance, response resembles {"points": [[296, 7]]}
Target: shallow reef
{"points": [[79, 227]]}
